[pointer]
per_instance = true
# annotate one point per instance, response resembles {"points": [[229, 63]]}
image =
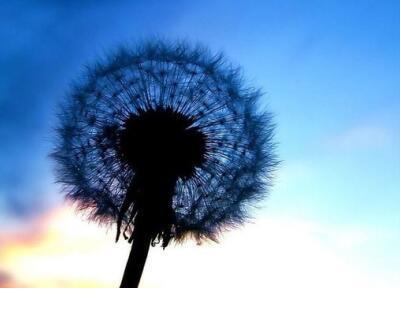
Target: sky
{"points": [[330, 74]]}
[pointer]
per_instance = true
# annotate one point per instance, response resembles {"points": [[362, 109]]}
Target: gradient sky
{"points": [[330, 71]]}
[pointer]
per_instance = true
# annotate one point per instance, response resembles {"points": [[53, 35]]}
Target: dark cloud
{"points": [[5, 279], [25, 204]]}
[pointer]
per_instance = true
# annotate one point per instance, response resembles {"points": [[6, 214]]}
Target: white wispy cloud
{"points": [[361, 137], [276, 254]]}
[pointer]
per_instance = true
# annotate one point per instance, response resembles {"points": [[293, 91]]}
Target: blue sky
{"points": [[330, 72]]}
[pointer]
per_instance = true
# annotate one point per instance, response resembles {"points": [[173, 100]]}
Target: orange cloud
{"points": [[60, 249], [6, 279]]}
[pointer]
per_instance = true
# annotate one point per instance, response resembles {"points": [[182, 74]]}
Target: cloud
{"points": [[293, 172], [362, 137], [5, 279], [60, 249]]}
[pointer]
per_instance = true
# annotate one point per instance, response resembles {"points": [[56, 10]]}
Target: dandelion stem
{"points": [[137, 259]]}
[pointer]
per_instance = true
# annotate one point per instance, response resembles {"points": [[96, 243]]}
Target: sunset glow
{"points": [[69, 252], [329, 72]]}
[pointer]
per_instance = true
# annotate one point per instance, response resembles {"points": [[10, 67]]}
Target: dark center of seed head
{"points": [[163, 143]]}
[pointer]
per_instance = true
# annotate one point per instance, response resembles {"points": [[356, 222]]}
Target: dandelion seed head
{"points": [[166, 117]]}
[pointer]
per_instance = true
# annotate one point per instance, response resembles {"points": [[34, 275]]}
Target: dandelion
{"points": [[165, 141]]}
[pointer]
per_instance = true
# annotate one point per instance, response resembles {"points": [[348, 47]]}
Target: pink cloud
{"points": [[6, 279]]}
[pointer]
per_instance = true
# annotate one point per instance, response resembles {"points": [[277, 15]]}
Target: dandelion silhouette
{"points": [[165, 141]]}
